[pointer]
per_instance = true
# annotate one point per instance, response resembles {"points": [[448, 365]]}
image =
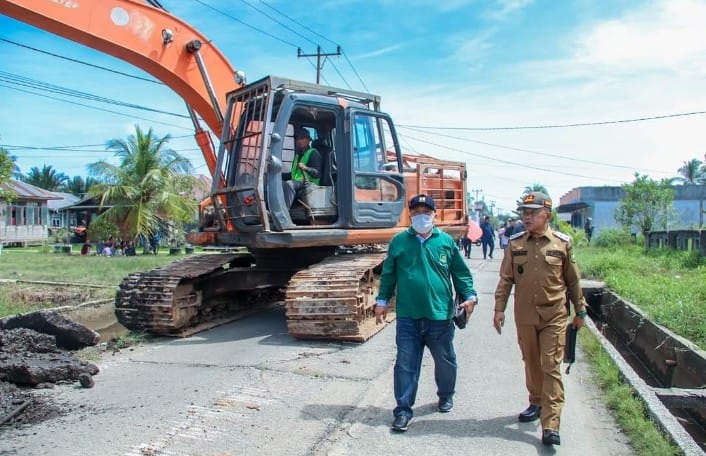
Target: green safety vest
{"points": [[298, 174]]}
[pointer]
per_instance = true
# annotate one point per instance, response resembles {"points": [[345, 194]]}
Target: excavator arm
{"points": [[149, 38]]}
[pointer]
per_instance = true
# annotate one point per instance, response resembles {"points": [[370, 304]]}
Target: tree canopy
{"points": [[646, 203], [152, 185], [535, 188], [47, 178], [7, 166], [692, 172]]}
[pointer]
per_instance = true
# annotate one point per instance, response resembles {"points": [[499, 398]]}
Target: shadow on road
{"points": [[503, 427]]}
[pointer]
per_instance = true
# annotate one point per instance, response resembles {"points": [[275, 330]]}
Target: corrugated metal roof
{"points": [[65, 199], [24, 190]]}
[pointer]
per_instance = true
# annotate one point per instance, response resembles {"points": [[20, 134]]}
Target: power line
{"points": [[245, 23], [356, 72], [585, 124], [309, 29], [40, 85], [277, 22], [496, 159], [93, 107], [518, 149], [81, 62]]}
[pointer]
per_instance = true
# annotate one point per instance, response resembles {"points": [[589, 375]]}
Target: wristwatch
{"points": [[581, 314]]}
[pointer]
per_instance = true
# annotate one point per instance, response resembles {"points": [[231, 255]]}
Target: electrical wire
{"points": [[10, 78], [546, 154], [95, 107], [278, 22], [309, 29], [537, 127], [508, 162], [81, 62], [201, 2]]}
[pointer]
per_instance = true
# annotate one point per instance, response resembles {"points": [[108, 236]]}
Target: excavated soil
{"points": [[22, 406]]}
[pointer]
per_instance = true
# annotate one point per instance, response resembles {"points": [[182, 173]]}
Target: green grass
{"points": [[33, 264], [668, 286], [628, 409]]}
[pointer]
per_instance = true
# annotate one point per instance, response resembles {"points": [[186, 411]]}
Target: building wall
{"points": [[603, 201], [24, 222]]}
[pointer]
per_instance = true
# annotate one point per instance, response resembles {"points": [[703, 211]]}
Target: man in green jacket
{"points": [[421, 265]]}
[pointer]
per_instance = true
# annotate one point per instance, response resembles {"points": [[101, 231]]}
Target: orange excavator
{"points": [[321, 254]]}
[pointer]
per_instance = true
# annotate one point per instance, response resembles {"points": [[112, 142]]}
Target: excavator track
{"points": [[167, 300], [335, 298]]}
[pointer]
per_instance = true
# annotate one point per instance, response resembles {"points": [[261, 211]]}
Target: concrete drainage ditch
{"points": [[666, 370]]}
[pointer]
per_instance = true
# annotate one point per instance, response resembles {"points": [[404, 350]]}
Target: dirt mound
{"points": [[32, 359], [20, 406]]}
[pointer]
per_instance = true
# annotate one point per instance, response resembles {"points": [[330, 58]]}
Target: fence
{"points": [[678, 240]]}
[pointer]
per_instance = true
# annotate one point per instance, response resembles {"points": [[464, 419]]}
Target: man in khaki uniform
{"points": [[540, 263]]}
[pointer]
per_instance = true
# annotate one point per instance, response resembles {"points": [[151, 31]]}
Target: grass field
{"points": [[669, 286], [26, 264]]}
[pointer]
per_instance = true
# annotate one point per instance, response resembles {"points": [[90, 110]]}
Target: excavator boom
{"points": [[151, 39]]}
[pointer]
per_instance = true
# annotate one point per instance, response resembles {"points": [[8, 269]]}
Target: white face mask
{"points": [[422, 223]]}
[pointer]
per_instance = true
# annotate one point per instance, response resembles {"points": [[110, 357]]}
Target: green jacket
{"points": [[297, 174], [422, 273]]}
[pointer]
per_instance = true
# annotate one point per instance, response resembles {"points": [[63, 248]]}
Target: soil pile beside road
{"points": [[32, 359]]}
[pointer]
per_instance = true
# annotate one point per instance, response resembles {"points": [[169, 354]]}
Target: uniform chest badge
{"points": [[443, 258]]}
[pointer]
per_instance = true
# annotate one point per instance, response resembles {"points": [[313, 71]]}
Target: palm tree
{"points": [[148, 186], [535, 188], [47, 178], [6, 166], [78, 186], [691, 172]]}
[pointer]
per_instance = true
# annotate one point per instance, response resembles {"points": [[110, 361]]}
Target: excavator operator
{"points": [[306, 166]]}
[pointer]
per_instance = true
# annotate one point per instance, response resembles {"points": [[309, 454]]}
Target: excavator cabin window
{"points": [[371, 136], [314, 203]]}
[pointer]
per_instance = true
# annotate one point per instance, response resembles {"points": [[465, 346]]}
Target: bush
{"points": [[611, 238], [101, 229]]}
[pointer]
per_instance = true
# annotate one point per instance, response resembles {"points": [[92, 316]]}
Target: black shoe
{"points": [[531, 413], [551, 437], [445, 404], [400, 423]]}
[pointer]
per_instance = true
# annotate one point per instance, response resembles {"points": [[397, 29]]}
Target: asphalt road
{"points": [[247, 388]]}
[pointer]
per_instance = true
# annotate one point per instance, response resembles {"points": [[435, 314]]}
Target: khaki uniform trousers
{"points": [[542, 347]]}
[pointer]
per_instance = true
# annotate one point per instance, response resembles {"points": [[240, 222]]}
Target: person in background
{"points": [[423, 267], [540, 264], [467, 243], [588, 229], [488, 238], [502, 237]]}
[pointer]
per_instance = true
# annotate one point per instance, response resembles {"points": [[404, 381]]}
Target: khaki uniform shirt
{"points": [[542, 269]]}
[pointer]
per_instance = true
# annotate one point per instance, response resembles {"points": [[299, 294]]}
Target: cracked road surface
{"points": [[247, 388]]}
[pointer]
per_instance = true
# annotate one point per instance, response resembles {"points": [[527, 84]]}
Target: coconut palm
{"points": [[147, 188], [47, 178], [535, 188], [79, 186], [691, 172]]}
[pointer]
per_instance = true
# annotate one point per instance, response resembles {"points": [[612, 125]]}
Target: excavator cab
{"points": [[360, 185]]}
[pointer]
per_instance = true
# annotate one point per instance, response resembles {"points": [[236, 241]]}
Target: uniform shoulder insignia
{"points": [[562, 236], [517, 235]]}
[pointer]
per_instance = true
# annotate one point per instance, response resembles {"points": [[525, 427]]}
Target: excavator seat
{"points": [[317, 203]]}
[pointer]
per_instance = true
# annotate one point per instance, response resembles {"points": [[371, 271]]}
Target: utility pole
{"points": [[477, 207], [319, 63]]}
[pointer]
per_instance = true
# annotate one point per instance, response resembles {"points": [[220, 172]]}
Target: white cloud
{"points": [[667, 35], [381, 51], [507, 7]]}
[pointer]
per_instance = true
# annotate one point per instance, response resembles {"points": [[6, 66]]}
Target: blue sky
{"points": [[443, 63]]}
